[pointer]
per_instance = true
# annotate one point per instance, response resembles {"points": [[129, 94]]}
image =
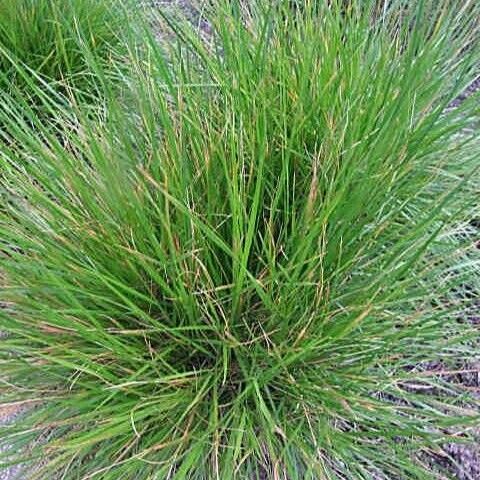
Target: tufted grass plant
{"points": [[259, 267], [51, 41]]}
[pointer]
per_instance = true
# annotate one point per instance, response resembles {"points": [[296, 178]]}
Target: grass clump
{"points": [[262, 268], [50, 39]]}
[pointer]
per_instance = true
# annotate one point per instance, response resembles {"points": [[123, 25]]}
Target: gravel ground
{"points": [[8, 415], [466, 465]]}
